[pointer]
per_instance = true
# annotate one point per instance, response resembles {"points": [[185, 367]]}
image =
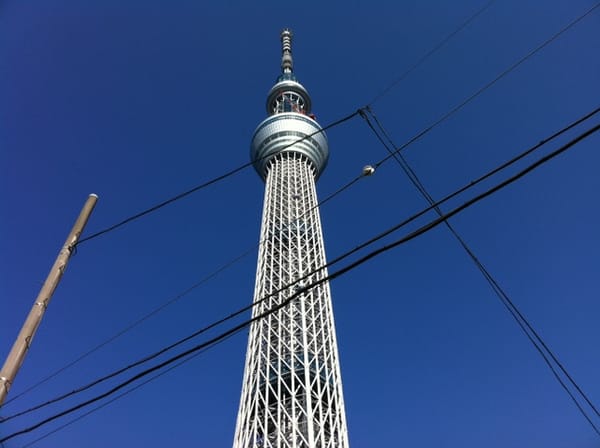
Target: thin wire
{"points": [[446, 216], [331, 196], [360, 111], [489, 84], [180, 196], [523, 323], [461, 190], [423, 229], [589, 402], [120, 333], [346, 118], [127, 392], [207, 183], [180, 295], [430, 53], [437, 204], [230, 173], [145, 317]]}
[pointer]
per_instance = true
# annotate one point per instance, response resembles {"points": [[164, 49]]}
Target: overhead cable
{"points": [[118, 397], [334, 261], [143, 319], [397, 150], [114, 337], [348, 117], [206, 184], [517, 315], [489, 84], [410, 236], [431, 52]]}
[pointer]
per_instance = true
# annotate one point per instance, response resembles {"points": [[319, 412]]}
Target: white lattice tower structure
{"points": [[292, 389]]}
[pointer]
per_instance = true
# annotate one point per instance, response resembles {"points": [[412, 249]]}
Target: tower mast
{"points": [[292, 390]]}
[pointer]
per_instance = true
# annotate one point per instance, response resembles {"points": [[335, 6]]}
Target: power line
{"points": [[164, 305], [340, 272], [117, 335], [470, 202], [246, 165], [206, 184], [489, 84], [139, 215], [514, 311], [230, 263], [461, 190], [430, 53], [127, 392], [360, 111], [335, 260], [348, 117], [144, 318]]}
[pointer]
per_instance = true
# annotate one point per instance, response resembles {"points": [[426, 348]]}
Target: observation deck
{"points": [[290, 127]]}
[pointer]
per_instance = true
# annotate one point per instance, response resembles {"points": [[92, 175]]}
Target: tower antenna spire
{"points": [[287, 64]]}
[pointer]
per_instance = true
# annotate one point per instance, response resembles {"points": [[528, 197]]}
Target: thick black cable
{"points": [[147, 316], [489, 84], [335, 260], [471, 184], [332, 262], [124, 369], [180, 196], [121, 395], [143, 318], [207, 183], [493, 282], [360, 111], [461, 190], [112, 338], [490, 191], [434, 223], [514, 311], [421, 230], [431, 52]]}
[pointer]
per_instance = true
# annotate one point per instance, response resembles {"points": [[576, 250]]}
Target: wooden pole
{"points": [[23, 342]]}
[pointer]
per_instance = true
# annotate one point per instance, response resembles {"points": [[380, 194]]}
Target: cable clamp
{"points": [[6, 382], [368, 170]]}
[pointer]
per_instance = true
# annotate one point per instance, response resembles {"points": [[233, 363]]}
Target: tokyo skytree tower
{"points": [[292, 389]]}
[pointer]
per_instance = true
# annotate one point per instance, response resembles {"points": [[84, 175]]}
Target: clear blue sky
{"points": [[137, 101]]}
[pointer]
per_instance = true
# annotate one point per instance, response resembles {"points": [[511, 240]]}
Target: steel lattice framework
{"points": [[292, 390]]}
